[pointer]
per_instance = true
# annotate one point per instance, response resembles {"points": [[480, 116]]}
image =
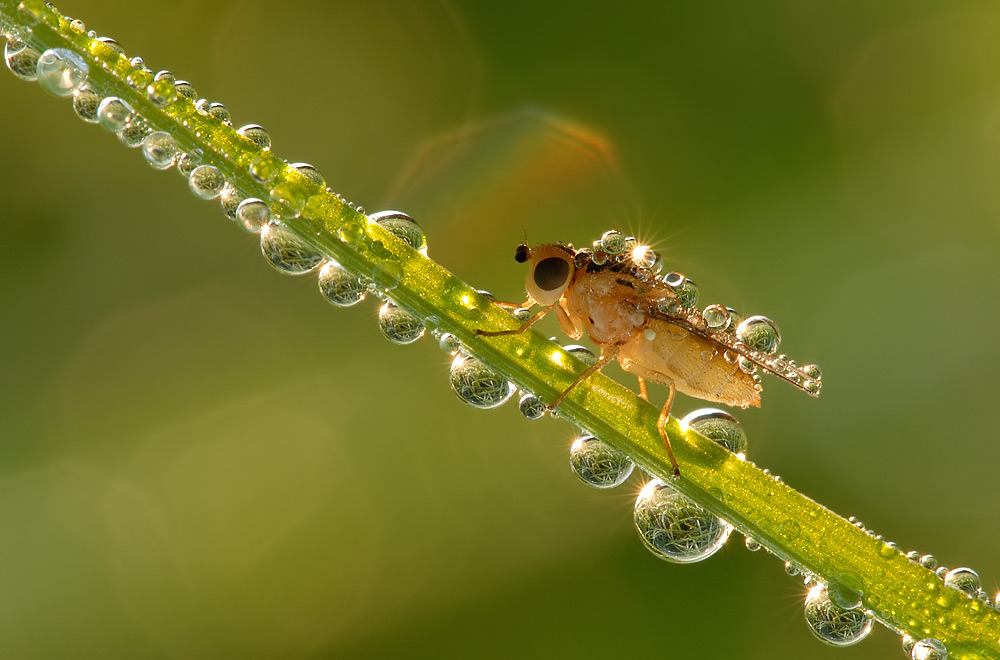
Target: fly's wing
{"points": [[806, 378]]}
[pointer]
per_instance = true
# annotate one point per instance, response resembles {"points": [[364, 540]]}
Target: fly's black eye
{"points": [[521, 254], [551, 273]]}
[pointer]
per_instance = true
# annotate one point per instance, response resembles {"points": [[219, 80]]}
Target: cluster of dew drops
{"points": [[670, 525]]}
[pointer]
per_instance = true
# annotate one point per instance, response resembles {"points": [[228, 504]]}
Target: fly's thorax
{"points": [[607, 302]]}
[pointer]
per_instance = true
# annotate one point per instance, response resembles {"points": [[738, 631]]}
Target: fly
{"points": [[649, 323]]}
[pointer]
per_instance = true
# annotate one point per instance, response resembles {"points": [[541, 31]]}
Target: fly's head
{"points": [[550, 271]]}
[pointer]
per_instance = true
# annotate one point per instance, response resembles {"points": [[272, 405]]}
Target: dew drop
{"points": [[351, 232], [404, 228], [230, 199], [112, 45], [687, 293], [185, 89], [185, 164], [161, 92], [718, 426], [929, 649], [309, 172], [598, 464], [22, 59], [613, 242], [478, 385], [134, 133], [114, 114], [581, 353], [530, 405], [449, 343], [220, 112], [159, 149], [398, 325], [716, 316], [676, 529], [752, 545], [206, 181], [339, 286], [388, 274], [252, 215], [929, 561], [265, 168], [832, 624], [288, 199], [256, 134], [846, 590], [61, 72], [759, 333], [790, 529], [812, 371], [285, 251], [963, 579], [644, 256], [746, 365], [85, 105]]}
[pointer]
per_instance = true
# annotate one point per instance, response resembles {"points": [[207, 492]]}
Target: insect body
{"points": [[614, 294]]}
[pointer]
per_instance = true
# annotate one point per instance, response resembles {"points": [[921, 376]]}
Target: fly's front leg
{"points": [[661, 426], [524, 326], [608, 353]]}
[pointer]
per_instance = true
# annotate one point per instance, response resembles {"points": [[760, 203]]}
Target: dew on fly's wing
{"points": [[929, 649], [162, 92], [22, 59], [114, 114], [206, 181], [286, 252], [310, 172], [531, 406], [61, 72], [581, 353], [85, 104], [230, 199], [676, 529], [598, 464], [687, 293], [718, 426], [812, 372], [252, 214], [339, 286], [398, 325], [478, 385], [133, 134], [402, 227], [759, 333], [159, 148], [185, 89], [832, 624], [644, 256], [963, 579], [613, 242], [256, 134], [716, 316], [449, 343], [746, 365]]}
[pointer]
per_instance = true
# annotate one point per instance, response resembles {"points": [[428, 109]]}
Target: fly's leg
{"points": [[661, 426], [608, 353], [643, 393], [524, 326]]}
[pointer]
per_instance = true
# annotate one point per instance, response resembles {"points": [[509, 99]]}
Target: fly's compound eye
{"points": [[522, 254], [551, 273]]}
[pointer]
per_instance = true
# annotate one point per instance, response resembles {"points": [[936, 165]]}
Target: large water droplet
{"points": [[398, 325], [832, 624], [265, 168], [252, 215], [159, 149], [340, 286], [286, 252], [61, 72], [598, 464], [963, 579], [206, 181], [478, 385], [759, 333], [676, 529], [404, 228], [929, 649], [114, 114], [288, 199], [22, 59], [256, 134], [85, 105], [719, 426]]}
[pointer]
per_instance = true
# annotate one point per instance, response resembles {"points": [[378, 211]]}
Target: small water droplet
{"points": [[531, 406], [185, 89], [265, 168], [913, 556], [687, 293], [161, 92], [718, 426], [812, 371], [716, 316], [388, 274], [752, 545], [288, 199], [61, 72], [398, 325], [598, 464], [674, 528], [340, 286], [929, 561], [221, 112], [747, 366], [404, 228], [112, 45], [85, 105], [286, 252], [256, 134], [644, 256], [252, 214], [929, 649], [22, 59], [581, 353], [206, 181], [159, 149], [114, 114], [887, 550], [478, 385], [351, 232], [963, 579], [832, 624], [230, 199], [449, 343], [846, 590], [759, 333], [309, 172], [613, 242], [134, 133], [791, 569], [811, 386]]}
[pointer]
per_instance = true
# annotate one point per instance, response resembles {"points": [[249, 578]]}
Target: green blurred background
{"points": [[202, 459]]}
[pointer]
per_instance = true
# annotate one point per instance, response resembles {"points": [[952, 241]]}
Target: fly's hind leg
{"points": [[661, 422], [608, 353]]}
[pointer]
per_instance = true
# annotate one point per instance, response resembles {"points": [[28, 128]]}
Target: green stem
{"points": [[903, 595]]}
